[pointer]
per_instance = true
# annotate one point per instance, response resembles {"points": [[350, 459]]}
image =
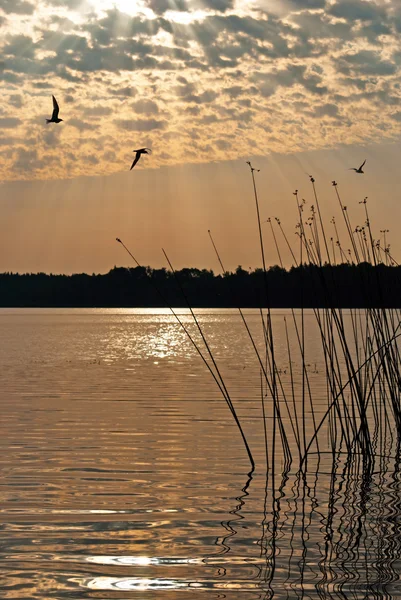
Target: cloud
{"points": [[98, 111], [125, 92], [20, 46], [81, 125], [218, 5], [90, 159], [361, 10], [289, 77], [140, 124], [318, 26], [188, 93], [16, 100], [27, 160], [223, 144], [211, 79], [366, 62], [145, 107], [51, 137], [72, 4], [21, 7], [7, 140], [326, 110], [161, 6], [41, 85], [308, 4], [9, 122], [9, 77]]}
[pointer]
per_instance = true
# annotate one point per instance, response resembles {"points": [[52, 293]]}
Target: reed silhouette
{"points": [[329, 524], [339, 449]]}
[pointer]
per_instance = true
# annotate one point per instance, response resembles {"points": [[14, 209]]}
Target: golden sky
{"points": [[294, 86]]}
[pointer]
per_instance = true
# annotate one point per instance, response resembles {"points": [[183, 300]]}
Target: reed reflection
{"points": [[330, 532], [334, 532]]}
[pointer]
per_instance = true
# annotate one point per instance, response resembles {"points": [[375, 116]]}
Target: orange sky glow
{"points": [[298, 87]]}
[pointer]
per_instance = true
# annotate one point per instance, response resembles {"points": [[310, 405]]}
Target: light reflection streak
{"points": [[170, 560], [87, 511], [138, 561], [141, 561], [144, 584], [164, 341]]}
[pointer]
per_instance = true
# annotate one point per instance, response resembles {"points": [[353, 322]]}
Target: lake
{"points": [[123, 473]]}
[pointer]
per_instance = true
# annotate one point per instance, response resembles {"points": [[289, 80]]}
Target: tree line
{"points": [[343, 285]]}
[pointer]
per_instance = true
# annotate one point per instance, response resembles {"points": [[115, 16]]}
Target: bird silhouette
{"points": [[139, 154], [359, 170], [56, 109]]}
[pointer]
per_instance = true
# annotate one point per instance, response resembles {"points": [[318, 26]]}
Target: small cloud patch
{"points": [[140, 124]]}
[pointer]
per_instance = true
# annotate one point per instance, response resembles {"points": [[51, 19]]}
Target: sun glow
{"points": [[138, 7], [129, 7]]}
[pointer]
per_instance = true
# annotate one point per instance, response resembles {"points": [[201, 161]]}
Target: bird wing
{"points": [[137, 157], [143, 151], [362, 164], [55, 108]]}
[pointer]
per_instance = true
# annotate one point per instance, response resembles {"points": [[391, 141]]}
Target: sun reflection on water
{"points": [[159, 583], [142, 561], [157, 341]]}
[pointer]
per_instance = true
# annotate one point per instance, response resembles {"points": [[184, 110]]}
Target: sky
{"points": [[298, 87]]}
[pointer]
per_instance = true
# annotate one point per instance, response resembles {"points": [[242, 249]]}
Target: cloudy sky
{"points": [[207, 84]]}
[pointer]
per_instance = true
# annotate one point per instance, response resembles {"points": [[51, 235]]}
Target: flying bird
{"points": [[139, 154], [359, 170], [56, 109]]}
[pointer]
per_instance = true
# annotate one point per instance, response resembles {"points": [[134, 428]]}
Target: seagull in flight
{"points": [[56, 109], [139, 154], [359, 170]]}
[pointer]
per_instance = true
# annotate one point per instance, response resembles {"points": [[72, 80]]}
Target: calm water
{"points": [[123, 474]]}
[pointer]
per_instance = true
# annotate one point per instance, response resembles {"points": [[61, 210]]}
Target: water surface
{"points": [[123, 474]]}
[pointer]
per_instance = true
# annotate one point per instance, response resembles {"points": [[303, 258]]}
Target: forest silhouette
{"points": [[340, 286]]}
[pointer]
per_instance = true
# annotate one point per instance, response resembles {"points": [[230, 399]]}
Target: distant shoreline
{"points": [[309, 286]]}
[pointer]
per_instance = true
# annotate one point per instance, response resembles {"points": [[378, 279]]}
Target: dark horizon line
{"points": [[309, 286], [238, 269]]}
